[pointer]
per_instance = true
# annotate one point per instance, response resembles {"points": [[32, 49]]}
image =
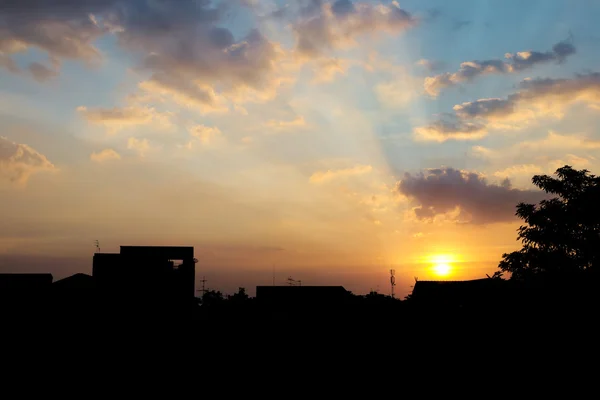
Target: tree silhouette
{"points": [[561, 238], [212, 297], [240, 297]]}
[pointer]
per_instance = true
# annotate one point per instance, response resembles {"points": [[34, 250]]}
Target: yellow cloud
{"points": [[141, 146], [286, 125], [325, 176], [326, 70], [105, 155], [118, 118], [205, 135], [19, 161]]}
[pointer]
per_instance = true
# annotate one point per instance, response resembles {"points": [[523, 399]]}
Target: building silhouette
{"points": [[302, 297], [476, 293], [24, 296], [161, 273]]}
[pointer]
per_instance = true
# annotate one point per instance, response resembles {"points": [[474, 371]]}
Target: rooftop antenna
{"points": [[293, 282], [97, 244], [393, 281], [203, 290]]}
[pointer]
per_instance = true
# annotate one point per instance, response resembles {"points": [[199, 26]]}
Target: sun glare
{"points": [[442, 264], [441, 269]]}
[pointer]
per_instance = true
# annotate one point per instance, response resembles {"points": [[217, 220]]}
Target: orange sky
{"points": [[333, 140]]}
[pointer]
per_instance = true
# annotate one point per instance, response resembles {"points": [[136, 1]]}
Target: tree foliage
{"points": [[561, 235]]}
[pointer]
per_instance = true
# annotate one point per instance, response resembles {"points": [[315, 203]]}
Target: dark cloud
{"points": [[433, 14], [321, 26], [485, 108], [471, 120], [181, 42], [517, 62], [62, 28], [343, 7], [440, 191], [565, 89], [41, 73], [458, 25]]}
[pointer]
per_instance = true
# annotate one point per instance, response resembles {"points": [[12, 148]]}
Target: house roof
{"points": [[76, 281], [458, 290]]}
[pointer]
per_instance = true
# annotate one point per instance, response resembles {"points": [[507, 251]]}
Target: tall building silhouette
{"points": [[149, 272]]}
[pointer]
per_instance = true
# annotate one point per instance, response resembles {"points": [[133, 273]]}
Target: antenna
{"points": [[293, 282], [393, 281], [203, 290], [97, 244]]}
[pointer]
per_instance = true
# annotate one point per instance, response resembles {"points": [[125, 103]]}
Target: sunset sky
{"points": [[326, 141]]}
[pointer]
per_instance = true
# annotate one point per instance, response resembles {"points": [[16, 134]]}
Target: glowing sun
{"points": [[442, 269], [442, 264]]}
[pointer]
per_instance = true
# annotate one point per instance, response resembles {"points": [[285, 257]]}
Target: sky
{"points": [[327, 141]]}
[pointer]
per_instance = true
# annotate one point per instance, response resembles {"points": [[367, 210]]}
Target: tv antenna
{"points": [[293, 282], [393, 281], [203, 290], [97, 244]]}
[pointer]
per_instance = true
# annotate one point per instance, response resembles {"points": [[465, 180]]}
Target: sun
{"points": [[442, 269], [442, 264]]}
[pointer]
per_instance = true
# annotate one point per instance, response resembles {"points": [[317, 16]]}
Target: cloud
{"points": [[560, 142], [42, 73], [322, 26], [19, 161], [447, 190], [118, 118], [204, 134], [179, 47], [186, 93], [443, 130], [325, 176], [141, 146], [280, 125], [517, 62], [398, 87], [430, 65], [326, 70], [458, 25], [544, 97], [527, 170], [520, 161], [105, 155], [191, 66], [397, 93], [64, 29]]}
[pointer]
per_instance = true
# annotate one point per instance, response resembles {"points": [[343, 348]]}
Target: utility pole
{"points": [[393, 281]]}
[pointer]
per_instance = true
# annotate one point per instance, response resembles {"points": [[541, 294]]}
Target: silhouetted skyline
{"points": [[328, 140]]}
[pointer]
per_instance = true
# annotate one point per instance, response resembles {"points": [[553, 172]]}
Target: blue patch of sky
{"points": [[495, 30]]}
